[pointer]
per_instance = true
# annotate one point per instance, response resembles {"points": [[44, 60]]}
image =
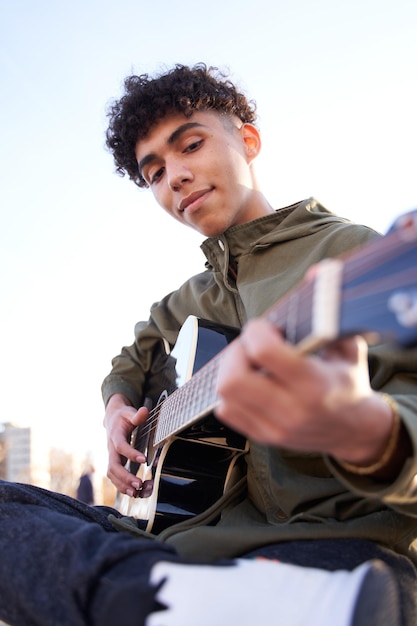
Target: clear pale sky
{"points": [[83, 252]]}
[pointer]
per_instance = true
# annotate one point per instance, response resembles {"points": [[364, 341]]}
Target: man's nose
{"points": [[178, 175]]}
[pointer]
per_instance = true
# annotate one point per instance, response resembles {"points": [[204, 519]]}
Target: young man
{"points": [[320, 480], [330, 466]]}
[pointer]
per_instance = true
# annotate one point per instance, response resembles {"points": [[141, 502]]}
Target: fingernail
{"points": [[129, 492]]}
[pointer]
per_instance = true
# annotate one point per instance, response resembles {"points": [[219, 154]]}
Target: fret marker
{"points": [[404, 306], [325, 305]]}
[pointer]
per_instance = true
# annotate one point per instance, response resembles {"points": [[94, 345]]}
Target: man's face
{"points": [[198, 169]]}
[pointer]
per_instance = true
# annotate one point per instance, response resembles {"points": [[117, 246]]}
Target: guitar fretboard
{"points": [[369, 278], [195, 399]]}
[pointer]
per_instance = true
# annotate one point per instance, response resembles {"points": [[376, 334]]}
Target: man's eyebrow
{"points": [[171, 139], [182, 129], [147, 159]]}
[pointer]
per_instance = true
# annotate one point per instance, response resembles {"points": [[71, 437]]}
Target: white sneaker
{"points": [[251, 592]]}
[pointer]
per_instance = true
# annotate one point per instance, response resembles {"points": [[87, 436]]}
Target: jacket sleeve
{"points": [[138, 367], [394, 372]]}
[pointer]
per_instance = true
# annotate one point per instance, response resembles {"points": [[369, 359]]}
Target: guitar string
{"points": [[280, 315], [200, 377], [395, 280], [183, 393], [353, 267]]}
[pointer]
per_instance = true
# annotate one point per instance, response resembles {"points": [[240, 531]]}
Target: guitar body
{"points": [[192, 469]]}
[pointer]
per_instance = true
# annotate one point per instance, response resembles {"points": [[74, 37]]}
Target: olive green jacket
{"points": [[290, 495]]}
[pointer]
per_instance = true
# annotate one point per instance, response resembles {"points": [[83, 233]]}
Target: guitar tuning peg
{"points": [[406, 222]]}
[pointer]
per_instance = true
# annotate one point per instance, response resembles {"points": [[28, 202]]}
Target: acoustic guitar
{"points": [[191, 458]]}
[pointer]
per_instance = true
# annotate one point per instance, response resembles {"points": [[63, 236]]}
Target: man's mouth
{"points": [[193, 201]]}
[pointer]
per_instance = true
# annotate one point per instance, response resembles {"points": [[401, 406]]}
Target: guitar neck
{"points": [[372, 292], [188, 404]]}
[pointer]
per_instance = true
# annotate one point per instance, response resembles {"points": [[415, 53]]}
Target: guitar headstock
{"points": [[407, 223], [371, 291]]}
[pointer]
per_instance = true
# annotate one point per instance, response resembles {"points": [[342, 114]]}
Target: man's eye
{"points": [[156, 176], [193, 146]]}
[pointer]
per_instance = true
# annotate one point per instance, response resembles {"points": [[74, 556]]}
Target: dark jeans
{"points": [[63, 564]]}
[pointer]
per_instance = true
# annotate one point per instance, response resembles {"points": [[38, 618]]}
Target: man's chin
{"points": [[207, 230]]}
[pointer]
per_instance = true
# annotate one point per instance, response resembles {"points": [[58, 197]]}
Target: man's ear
{"points": [[251, 139]]}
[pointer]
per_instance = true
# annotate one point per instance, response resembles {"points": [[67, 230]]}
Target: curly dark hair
{"points": [[183, 89]]}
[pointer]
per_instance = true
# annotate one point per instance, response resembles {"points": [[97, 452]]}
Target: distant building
{"points": [[15, 453]]}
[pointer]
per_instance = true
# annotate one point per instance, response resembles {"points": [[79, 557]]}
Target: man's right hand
{"points": [[120, 419]]}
